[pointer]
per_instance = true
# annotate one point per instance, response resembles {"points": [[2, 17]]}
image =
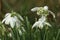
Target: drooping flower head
{"points": [[12, 19], [42, 11], [41, 23]]}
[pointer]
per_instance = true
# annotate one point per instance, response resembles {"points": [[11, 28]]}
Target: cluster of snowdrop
{"points": [[12, 19], [43, 12], [15, 21]]}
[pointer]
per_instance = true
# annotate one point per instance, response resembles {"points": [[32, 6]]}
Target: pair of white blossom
{"points": [[12, 20], [42, 11]]}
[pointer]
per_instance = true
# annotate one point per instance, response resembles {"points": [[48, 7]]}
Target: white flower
{"points": [[41, 23], [11, 20], [43, 11]]}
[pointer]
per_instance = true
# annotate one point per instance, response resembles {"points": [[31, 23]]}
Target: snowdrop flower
{"points": [[11, 20], [41, 23], [43, 11]]}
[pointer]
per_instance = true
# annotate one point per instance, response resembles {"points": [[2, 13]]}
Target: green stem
{"points": [[58, 34], [45, 35], [23, 36]]}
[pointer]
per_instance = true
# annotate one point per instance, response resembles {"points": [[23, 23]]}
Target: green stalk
{"points": [[46, 34], [23, 36], [17, 34], [13, 34], [58, 34]]}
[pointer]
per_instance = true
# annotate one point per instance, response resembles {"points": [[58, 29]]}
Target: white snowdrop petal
{"points": [[17, 21], [43, 18], [7, 14], [41, 26], [45, 7], [35, 9], [17, 24], [12, 23], [35, 24], [15, 18], [47, 24], [52, 13], [7, 20], [4, 20]]}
